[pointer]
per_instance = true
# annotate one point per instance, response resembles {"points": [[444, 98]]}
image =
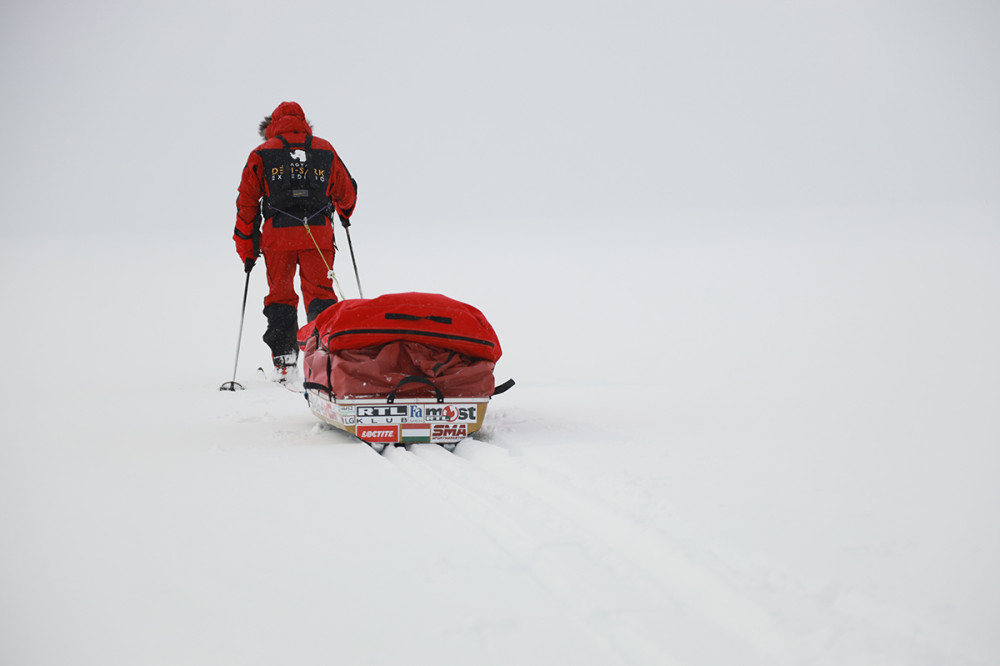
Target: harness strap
{"points": [[305, 144], [306, 219]]}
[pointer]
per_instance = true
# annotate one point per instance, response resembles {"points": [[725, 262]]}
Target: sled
{"points": [[401, 369]]}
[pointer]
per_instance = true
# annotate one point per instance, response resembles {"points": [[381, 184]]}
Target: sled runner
{"points": [[401, 368]]}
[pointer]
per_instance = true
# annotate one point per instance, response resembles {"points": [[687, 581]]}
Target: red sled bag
{"points": [[406, 345]]}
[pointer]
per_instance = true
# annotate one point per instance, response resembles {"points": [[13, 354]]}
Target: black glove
{"points": [[345, 221], [248, 264]]}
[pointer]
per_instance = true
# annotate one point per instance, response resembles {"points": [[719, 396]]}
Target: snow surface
{"points": [[742, 259], [775, 446]]}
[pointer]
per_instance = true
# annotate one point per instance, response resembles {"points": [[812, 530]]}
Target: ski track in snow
{"points": [[631, 590], [572, 563], [601, 567]]}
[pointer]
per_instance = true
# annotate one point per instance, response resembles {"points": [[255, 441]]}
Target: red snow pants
{"points": [[317, 292]]}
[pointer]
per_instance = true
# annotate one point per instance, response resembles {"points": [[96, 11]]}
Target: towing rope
{"points": [[329, 270]]}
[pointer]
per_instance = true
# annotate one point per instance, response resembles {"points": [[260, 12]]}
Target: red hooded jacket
{"points": [[288, 121]]}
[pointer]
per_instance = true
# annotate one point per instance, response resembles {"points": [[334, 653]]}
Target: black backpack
{"points": [[297, 176]]}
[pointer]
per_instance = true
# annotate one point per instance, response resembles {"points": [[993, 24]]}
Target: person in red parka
{"points": [[294, 182]]}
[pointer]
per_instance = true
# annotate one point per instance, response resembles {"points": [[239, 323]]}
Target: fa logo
{"points": [[298, 155]]}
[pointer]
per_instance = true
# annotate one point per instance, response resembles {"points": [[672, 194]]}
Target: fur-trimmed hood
{"points": [[287, 118]]}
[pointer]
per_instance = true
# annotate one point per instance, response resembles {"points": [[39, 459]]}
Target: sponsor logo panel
{"points": [[381, 414], [446, 433], [327, 409], [451, 414], [378, 434], [418, 419]]}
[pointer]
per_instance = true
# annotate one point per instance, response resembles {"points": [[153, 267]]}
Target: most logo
{"points": [[451, 414]]}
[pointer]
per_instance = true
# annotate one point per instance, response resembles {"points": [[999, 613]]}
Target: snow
{"points": [[742, 260], [720, 450]]}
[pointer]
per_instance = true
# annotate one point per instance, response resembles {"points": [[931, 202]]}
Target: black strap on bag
{"points": [[414, 379], [318, 387], [503, 388]]}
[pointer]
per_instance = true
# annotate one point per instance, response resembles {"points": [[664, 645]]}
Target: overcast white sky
{"points": [[456, 110]]}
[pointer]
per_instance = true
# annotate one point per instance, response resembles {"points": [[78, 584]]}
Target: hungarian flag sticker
{"points": [[415, 433]]}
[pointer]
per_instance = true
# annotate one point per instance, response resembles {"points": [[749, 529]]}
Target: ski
{"points": [[293, 384], [380, 448]]}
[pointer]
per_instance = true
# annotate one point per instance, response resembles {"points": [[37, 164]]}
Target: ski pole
{"points": [[234, 385], [350, 245]]}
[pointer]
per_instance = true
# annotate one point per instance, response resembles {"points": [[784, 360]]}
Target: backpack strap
{"points": [[305, 144]]}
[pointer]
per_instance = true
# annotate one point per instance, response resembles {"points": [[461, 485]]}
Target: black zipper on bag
{"points": [[408, 317], [381, 331]]}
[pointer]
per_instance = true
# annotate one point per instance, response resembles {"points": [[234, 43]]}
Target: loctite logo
{"points": [[378, 434]]}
